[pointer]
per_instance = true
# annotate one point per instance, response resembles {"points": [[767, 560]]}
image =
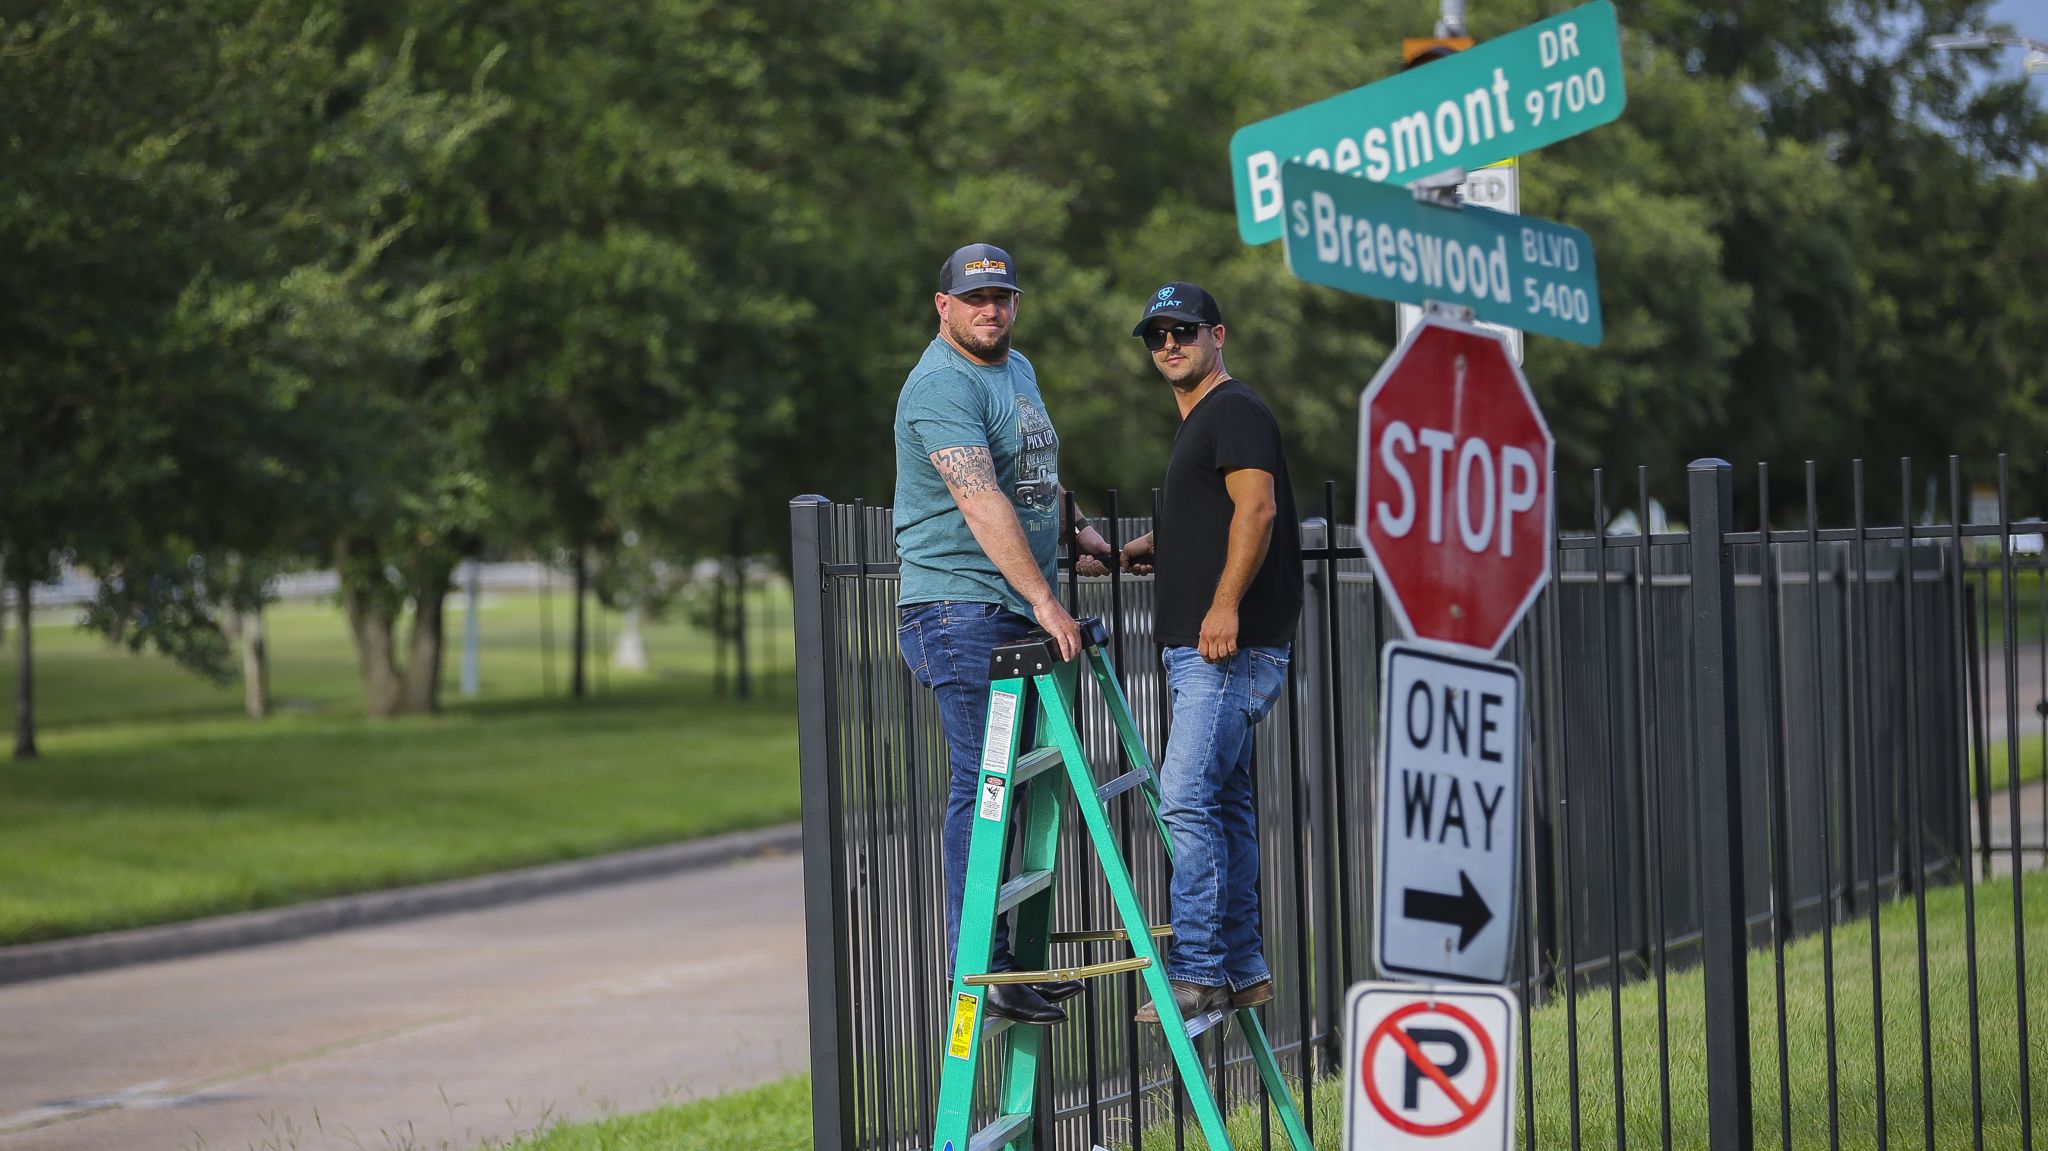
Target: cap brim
{"points": [[966, 288], [1169, 314]]}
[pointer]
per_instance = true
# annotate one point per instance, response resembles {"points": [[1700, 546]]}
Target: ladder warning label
{"points": [[992, 797], [1002, 720], [962, 1044]]}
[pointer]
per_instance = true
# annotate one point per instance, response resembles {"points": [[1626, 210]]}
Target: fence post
{"points": [[827, 933], [1717, 759], [1313, 657]]}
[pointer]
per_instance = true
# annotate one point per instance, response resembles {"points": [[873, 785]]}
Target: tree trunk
{"points": [[24, 669], [370, 621], [580, 642], [431, 581], [255, 663]]}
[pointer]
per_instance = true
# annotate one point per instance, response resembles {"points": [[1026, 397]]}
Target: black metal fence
{"points": [[1740, 738]]}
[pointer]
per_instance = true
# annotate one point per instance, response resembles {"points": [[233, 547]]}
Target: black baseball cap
{"points": [[1180, 301], [977, 266]]}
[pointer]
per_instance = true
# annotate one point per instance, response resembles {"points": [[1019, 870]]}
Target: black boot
{"points": [[1018, 1002], [1059, 990]]}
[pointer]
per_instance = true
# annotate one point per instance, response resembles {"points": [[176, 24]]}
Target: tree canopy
{"points": [[379, 286]]}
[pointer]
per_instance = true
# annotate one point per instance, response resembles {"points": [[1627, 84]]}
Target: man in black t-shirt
{"points": [[1227, 549]]}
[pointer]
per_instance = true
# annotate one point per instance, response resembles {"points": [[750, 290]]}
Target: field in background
{"points": [[82, 680], [157, 800]]}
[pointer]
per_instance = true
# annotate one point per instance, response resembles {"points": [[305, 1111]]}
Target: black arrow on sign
{"points": [[1466, 911]]}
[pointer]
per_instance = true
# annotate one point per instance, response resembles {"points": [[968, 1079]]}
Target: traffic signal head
{"points": [[1419, 50]]}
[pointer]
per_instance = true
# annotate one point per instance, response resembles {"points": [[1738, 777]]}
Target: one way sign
{"points": [[1450, 801]]}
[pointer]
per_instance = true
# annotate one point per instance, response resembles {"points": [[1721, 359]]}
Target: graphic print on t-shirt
{"points": [[1038, 465]]}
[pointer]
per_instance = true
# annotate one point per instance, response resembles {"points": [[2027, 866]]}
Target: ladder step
{"points": [[1109, 935], [1034, 763], [1121, 784], [1202, 1023], [1004, 1130], [1024, 886], [1058, 974]]}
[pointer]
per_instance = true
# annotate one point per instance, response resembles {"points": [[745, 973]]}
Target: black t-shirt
{"points": [[1230, 428]]}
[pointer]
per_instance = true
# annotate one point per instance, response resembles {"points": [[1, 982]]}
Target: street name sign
{"points": [[1376, 240], [1496, 186], [1450, 803], [1454, 486], [1429, 1068], [1547, 82]]}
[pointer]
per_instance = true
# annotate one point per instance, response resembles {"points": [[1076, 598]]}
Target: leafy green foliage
{"points": [[382, 286]]}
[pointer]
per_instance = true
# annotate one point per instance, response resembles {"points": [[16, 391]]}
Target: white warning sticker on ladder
{"points": [[1002, 720], [992, 798]]}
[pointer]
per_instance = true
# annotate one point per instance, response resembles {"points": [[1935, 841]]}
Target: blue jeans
{"points": [[947, 646], [1205, 793]]}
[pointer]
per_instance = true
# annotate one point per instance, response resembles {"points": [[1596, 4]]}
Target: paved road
{"points": [[434, 1033]]}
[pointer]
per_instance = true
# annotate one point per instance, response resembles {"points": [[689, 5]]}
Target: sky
{"points": [[2028, 18]]}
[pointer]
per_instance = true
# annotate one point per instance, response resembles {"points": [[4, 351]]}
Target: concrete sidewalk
{"points": [[434, 1032]]}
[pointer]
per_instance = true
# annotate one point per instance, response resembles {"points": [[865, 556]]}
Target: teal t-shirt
{"points": [[949, 401]]}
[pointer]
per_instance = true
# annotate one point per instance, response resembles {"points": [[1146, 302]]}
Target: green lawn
{"points": [[155, 800], [2029, 616], [777, 1117], [1997, 761]]}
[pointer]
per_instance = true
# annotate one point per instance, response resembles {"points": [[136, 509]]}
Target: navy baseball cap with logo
{"points": [[977, 266], [1180, 301]]}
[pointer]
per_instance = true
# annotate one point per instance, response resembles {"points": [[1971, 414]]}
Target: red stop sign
{"points": [[1454, 486]]}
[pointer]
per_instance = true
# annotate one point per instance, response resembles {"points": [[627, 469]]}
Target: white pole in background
{"points": [[1453, 21], [470, 629]]}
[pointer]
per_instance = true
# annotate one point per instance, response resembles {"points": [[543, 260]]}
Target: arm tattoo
{"points": [[968, 471]]}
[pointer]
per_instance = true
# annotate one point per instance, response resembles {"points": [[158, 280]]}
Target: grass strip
{"points": [[156, 800], [773, 1117]]}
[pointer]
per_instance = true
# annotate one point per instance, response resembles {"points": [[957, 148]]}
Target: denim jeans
{"points": [[1205, 793], [947, 646]]}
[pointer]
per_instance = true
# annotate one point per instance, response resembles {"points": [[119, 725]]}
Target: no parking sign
{"points": [[1430, 1068]]}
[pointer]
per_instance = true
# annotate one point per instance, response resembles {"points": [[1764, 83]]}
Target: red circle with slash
{"points": [[1468, 1110]]}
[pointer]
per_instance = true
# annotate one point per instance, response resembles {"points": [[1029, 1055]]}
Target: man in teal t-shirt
{"points": [[978, 522]]}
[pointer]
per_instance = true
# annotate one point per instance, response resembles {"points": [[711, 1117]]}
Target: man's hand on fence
{"points": [[1136, 556]]}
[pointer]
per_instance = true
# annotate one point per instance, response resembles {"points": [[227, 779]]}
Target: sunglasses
{"points": [[1183, 334]]}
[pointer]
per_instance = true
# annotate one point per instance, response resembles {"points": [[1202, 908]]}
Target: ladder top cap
{"points": [[1036, 654]]}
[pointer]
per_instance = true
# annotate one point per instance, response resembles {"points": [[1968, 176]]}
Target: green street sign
{"points": [[1536, 86], [1374, 240]]}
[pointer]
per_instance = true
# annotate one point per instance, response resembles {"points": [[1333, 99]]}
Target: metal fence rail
{"points": [[1734, 744]]}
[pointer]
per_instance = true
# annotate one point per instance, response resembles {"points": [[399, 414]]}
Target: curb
{"points": [[33, 961]]}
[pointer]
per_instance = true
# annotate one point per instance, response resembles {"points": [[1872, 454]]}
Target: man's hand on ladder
{"points": [[1059, 625]]}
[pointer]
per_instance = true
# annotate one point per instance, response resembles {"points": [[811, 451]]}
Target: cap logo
{"points": [[1166, 293], [984, 268]]}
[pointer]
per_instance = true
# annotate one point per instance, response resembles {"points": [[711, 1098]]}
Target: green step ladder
{"points": [[1018, 674]]}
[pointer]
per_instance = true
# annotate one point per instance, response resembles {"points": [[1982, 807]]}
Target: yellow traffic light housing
{"points": [[1417, 50]]}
